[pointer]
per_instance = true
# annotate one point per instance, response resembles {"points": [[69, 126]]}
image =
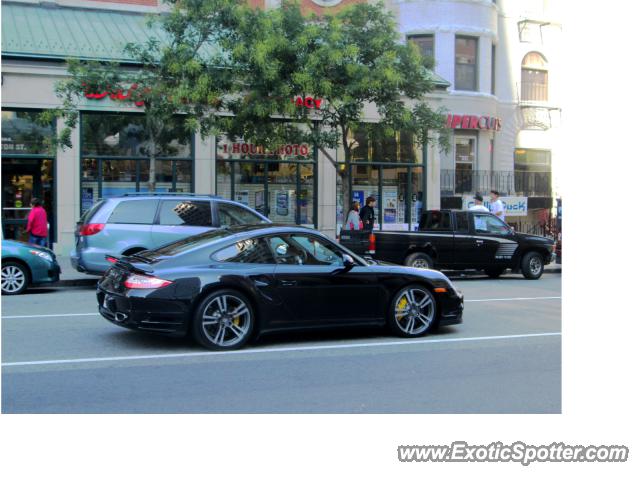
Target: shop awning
{"points": [[439, 81], [54, 32]]}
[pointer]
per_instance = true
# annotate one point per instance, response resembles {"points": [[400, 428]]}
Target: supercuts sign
{"points": [[473, 122]]}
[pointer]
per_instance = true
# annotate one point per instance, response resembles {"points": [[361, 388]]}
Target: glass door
{"points": [[465, 154], [250, 186], [20, 183], [282, 185]]}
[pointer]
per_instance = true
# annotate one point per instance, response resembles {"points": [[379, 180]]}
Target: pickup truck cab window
{"points": [[462, 222], [490, 224], [436, 220]]}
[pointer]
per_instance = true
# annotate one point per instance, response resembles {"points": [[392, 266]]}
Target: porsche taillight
{"points": [[135, 281]]}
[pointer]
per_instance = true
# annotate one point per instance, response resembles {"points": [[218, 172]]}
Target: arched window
{"points": [[534, 78]]}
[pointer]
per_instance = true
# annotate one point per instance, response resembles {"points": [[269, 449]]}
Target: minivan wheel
{"points": [[532, 266], [412, 312], [419, 260], [224, 320], [15, 278]]}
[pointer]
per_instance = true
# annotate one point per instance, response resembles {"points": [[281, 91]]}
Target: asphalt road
{"points": [[59, 356]]}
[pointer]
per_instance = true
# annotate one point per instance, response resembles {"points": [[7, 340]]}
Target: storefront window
{"points": [[278, 183], [23, 134], [387, 174], [116, 157], [532, 172], [371, 145], [125, 135]]}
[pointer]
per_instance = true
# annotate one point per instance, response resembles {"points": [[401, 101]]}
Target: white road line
{"points": [[510, 299], [279, 350], [52, 315], [97, 314]]}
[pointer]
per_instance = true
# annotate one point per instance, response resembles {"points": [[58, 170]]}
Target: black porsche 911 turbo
{"points": [[226, 286]]}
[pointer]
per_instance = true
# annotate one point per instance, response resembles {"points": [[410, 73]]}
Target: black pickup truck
{"points": [[456, 240]]}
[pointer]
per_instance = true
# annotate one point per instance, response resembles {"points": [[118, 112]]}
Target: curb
{"points": [[78, 282]]}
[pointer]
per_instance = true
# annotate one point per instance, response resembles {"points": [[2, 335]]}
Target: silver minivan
{"points": [[135, 222]]}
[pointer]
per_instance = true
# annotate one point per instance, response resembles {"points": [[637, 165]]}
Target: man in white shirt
{"points": [[497, 207], [477, 204]]}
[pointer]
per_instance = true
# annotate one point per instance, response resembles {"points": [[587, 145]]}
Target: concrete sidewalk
{"points": [[72, 278]]}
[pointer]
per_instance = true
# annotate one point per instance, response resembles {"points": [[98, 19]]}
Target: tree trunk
{"points": [[152, 166]]}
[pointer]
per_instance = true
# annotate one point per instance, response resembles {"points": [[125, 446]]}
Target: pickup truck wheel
{"points": [[412, 312], [532, 266], [494, 272], [419, 260]]}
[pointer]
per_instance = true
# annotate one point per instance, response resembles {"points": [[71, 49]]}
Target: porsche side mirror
{"points": [[348, 261]]}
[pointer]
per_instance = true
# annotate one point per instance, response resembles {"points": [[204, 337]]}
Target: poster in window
{"points": [[282, 203], [390, 205], [87, 199], [358, 196], [389, 215]]}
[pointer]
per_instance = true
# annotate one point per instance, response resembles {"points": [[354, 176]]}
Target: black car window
{"points": [[230, 214], [185, 244], [490, 224], [196, 213], [462, 222], [286, 252], [140, 212], [436, 220], [319, 252], [252, 250]]}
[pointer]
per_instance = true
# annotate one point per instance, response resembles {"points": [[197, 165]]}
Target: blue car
{"points": [[24, 265]]}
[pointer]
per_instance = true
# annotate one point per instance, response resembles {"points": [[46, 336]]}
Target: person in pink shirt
{"points": [[37, 224]]}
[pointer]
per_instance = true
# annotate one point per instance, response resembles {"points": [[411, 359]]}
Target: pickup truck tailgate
{"points": [[355, 240]]}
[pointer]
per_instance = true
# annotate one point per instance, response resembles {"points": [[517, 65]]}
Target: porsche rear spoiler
{"points": [[128, 263]]}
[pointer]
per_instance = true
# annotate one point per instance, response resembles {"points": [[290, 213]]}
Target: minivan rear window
{"points": [[88, 215], [141, 212]]}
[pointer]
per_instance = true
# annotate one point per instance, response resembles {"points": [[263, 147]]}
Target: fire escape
{"points": [[537, 113]]}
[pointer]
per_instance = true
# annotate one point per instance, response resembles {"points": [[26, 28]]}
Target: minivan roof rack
{"points": [[177, 194]]}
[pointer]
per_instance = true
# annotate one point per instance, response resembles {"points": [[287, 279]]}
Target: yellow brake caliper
{"points": [[401, 306]]}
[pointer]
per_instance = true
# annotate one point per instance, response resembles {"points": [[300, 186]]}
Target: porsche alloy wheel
{"points": [[224, 320], [413, 311]]}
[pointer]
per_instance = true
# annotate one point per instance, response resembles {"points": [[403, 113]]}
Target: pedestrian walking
{"points": [[497, 206], [368, 214], [353, 218], [478, 204], [37, 226]]}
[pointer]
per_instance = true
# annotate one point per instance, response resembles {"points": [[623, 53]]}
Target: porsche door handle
{"points": [[479, 242], [288, 283]]}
